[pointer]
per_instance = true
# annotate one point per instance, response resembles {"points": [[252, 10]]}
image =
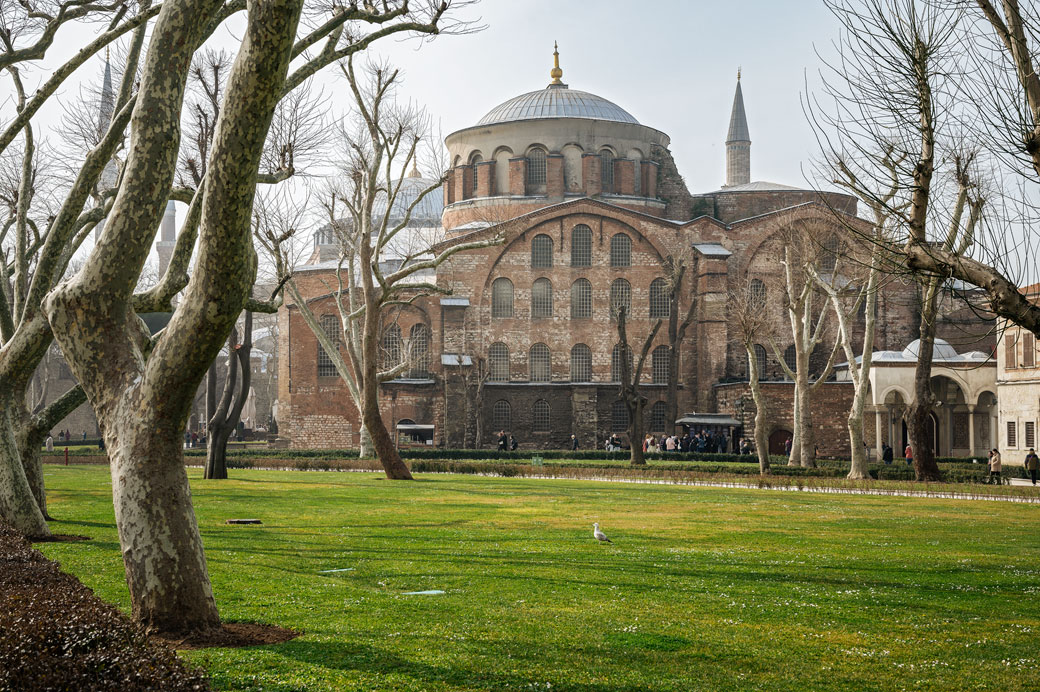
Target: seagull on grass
{"points": [[600, 536]]}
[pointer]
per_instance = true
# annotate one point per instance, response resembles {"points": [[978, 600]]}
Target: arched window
{"points": [[329, 325], [541, 251], [660, 300], [536, 167], [541, 299], [616, 363], [606, 167], [581, 363], [541, 363], [502, 415], [661, 366], [831, 249], [621, 251], [791, 358], [540, 415], [581, 246], [618, 417], [502, 298], [391, 346], [659, 417], [756, 294], [498, 363], [581, 299], [620, 297], [419, 351], [760, 360], [477, 158]]}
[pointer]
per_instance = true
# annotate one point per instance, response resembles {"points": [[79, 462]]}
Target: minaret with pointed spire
{"points": [[738, 143], [106, 109]]}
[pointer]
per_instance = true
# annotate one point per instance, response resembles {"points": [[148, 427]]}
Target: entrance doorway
{"points": [[777, 442]]}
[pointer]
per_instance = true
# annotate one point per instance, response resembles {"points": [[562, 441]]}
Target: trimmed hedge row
{"points": [[55, 634]]}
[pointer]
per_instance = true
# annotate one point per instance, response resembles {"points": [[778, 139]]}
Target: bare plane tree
{"points": [[753, 322], [628, 392]]}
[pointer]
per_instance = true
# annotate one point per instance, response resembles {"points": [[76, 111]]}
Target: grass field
{"points": [[703, 589]]}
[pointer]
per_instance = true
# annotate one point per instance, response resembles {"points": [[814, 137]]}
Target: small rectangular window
{"points": [[1028, 350], [1030, 434], [1012, 436], [1010, 352]]}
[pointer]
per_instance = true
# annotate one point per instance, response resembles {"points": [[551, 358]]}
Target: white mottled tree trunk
{"points": [[368, 449], [18, 506]]}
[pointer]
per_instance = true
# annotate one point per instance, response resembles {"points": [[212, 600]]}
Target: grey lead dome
{"points": [[557, 101]]}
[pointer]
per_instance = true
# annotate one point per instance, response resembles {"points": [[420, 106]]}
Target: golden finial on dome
{"points": [[556, 72], [738, 74]]}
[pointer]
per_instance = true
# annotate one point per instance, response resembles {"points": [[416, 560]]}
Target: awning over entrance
{"points": [[708, 419], [413, 427]]}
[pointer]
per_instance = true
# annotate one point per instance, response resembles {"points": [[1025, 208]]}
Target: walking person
{"points": [[909, 454], [574, 442], [886, 454], [994, 467], [1032, 464], [502, 441]]}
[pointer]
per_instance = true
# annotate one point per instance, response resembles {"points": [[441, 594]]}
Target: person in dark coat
{"points": [[574, 442], [886, 453], [513, 443], [502, 441]]}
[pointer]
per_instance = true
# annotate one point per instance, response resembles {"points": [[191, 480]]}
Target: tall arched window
{"points": [[621, 251], [329, 325], [661, 366], [581, 246], [606, 167], [760, 360], [541, 251], [581, 363], [541, 415], [477, 158], [619, 417], [541, 299], [419, 351], [659, 417], [581, 299], [616, 362], [502, 415], [502, 298], [660, 300], [791, 358], [391, 346], [498, 363], [831, 249], [541, 363], [757, 294], [620, 297], [536, 167]]}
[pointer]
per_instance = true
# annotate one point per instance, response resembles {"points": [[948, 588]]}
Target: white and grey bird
{"points": [[600, 536]]}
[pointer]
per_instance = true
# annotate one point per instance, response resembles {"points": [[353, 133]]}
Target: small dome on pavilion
{"points": [[941, 350]]}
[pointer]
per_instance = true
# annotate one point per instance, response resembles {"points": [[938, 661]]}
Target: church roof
{"points": [[557, 101], [758, 186], [738, 129]]}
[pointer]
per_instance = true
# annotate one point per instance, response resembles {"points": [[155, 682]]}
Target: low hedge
{"points": [[55, 634]]}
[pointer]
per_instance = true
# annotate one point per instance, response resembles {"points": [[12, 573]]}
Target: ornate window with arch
{"points": [[581, 299], [502, 415], [540, 362], [660, 299], [541, 251], [581, 363], [541, 299], [536, 167], [620, 250], [581, 246], [501, 298], [659, 417], [620, 297], [606, 168], [498, 362], [391, 346], [329, 325], [541, 416], [661, 366], [616, 362], [618, 417], [756, 294], [419, 351]]}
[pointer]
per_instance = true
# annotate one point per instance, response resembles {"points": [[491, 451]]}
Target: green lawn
{"points": [[704, 588]]}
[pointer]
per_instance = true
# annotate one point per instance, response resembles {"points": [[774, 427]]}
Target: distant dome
{"points": [[941, 350], [428, 211], [557, 101]]}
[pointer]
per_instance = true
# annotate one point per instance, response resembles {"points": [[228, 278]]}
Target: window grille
{"points": [[541, 363], [638, 189], [658, 417], [660, 299], [498, 363], [1030, 434], [581, 246], [760, 360], [757, 294], [581, 363], [1028, 350], [541, 416], [541, 299], [536, 167], [419, 351], [620, 297], [621, 251], [477, 158], [391, 346], [1010, 352], [618, 417], [606, 161], [1012, 435], [541, 251], [791, 358], [661, 366], [502, 415], [581, 299], [831, 249], [616, 363], [329, 325], [502, 298]]}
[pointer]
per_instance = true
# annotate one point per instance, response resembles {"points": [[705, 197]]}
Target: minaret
{"points": [[106, 109], [738, 143], [167, 237]]}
